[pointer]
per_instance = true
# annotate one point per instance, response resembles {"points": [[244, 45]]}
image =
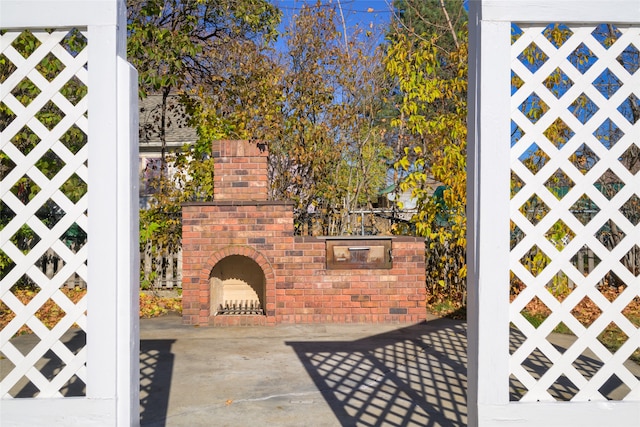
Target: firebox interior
{"points": [[237, 286]]}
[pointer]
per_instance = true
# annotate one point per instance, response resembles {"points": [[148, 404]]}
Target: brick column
{"points": [[240, 170]]}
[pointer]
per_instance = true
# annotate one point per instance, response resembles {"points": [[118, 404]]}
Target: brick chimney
{"points": [[240, 170]]}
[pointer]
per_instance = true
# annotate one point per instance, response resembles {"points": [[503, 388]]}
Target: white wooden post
{"points": [[108, 363], [504, 387]]}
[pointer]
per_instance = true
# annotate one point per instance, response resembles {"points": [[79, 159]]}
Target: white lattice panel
{"points": [[575, 211], [43, 118]]}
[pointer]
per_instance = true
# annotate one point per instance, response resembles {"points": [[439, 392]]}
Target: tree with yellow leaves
{"points": [[427, 58]]}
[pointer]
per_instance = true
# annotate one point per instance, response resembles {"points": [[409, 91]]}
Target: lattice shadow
{"points": [[49, 365], [562, 388], [156, 369], [411, 376]]}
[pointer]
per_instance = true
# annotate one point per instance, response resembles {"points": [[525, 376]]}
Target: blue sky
{"points": [[364, 13]]}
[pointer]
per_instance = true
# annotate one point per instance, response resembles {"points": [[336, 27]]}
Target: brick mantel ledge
{"points": [[241, 203]]}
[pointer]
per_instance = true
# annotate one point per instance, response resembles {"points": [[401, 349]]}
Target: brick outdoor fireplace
{"points": [[242, 264]]}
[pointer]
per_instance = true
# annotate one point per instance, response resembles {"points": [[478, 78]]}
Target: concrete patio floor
{"points": [[312, 375], [323, 374]]}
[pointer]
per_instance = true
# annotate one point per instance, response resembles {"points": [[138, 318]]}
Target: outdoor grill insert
{"points": [[367, 252]]}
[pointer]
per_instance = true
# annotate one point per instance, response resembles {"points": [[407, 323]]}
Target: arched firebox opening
{"points": [[237, 287]]}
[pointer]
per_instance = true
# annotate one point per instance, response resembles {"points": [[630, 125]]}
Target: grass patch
{"points": [[451, 308], [535, 319]]}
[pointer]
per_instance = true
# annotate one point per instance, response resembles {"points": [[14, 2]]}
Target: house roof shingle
{"points": [[178, 131]]}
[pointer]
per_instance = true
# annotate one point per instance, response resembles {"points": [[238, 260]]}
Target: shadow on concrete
{"points": [[537, 364], [156, 369], [49, 365], [410, 376]]}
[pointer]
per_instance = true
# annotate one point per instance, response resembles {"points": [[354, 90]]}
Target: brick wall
{"points": [[307, 292], [299, 288]]}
